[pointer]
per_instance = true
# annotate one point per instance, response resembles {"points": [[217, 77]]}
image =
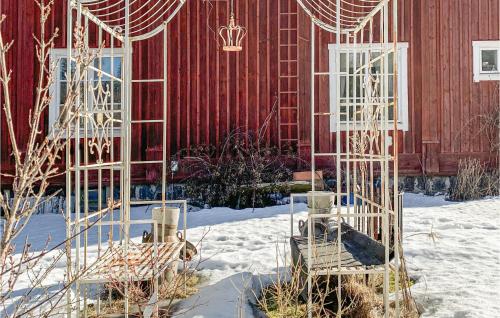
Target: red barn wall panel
{"points": [[444, 103], [211, 92]]}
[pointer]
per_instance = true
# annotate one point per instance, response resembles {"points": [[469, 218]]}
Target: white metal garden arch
{"points": [[95, 153], [363, 106]]}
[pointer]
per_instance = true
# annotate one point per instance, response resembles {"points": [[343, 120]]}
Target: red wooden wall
{"points": [[212, 92], [444, 102]]}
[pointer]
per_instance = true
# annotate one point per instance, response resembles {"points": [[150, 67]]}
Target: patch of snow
{"points": [[457, 275]]}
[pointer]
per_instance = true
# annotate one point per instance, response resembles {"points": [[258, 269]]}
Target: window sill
{"points": [[90, 134], [358, 127], [482, 77]]}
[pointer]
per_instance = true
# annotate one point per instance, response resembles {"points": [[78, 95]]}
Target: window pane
{"points": [[63, 86], [105, 66], [342, 113], [391, 63], [356, 89], [63, 92], [116, 115], [117, 67], [117, 92], [343, 89], [489, 60], [63, 67], [391, 112], [60, 116], [343, 58], [375, 62], [391, 85]]}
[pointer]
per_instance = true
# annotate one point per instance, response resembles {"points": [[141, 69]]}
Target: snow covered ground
{"points": [[457, 274]]}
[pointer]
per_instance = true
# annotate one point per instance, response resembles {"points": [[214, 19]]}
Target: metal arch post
{"points": [[69, 42], [338, 180], [386, 128], [77, 174], [126, 142], [165, 118], [395, 148], [313, 178]]}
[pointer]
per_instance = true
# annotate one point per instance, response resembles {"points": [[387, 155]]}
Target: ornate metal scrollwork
{"points": [[100, 118]]}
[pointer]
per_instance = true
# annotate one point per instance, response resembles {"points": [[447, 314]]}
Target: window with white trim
{"points": [[352, 90], [108, 65], [486, 55]]}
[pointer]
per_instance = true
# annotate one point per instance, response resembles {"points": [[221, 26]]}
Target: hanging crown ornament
{"points": [[232, 35]]}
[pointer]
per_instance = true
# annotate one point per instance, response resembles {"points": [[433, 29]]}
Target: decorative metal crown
{"points": [[232, 35]]}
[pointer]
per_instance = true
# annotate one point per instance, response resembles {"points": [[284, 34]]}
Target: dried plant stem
{"points": [[36, 163]]}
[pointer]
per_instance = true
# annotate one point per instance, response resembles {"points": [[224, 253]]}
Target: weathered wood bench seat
{"points": [[359, 253]]}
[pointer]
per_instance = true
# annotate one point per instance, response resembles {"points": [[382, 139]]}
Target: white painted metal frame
{"points": [[93, 152], [362, 153]]}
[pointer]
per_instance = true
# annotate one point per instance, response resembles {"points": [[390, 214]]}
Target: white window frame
{"points": [[402, 48], [55, 89], [477, 48]]}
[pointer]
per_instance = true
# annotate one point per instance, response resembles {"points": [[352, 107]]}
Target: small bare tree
{"points": [[36, 163]]}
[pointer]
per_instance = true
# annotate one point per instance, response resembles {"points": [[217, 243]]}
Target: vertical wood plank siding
{"points": [[211, 92], [444, 103]]}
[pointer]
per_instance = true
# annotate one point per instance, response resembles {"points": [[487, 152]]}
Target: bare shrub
{"points": [[490, 126], [409, 308], [245, 172], [282, 297], [35, 165], [489, 123], [486, 125], [474, 181], [361, 295]]}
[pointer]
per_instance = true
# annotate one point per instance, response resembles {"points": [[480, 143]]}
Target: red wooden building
{"points": [[451, 57]]}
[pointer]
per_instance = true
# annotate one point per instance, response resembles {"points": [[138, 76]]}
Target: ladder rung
{"points": [[289, 107], [288, 13], [289, 92], [146, 162], [293, 44], [146, 121], [288, 29], [288, 124], [152, 80], [288, 76], [288, 61]]}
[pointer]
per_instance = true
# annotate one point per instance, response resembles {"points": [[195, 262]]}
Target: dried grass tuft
{"points": [[282, 298], [360, 299], [474, 181], [365, 303]]}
